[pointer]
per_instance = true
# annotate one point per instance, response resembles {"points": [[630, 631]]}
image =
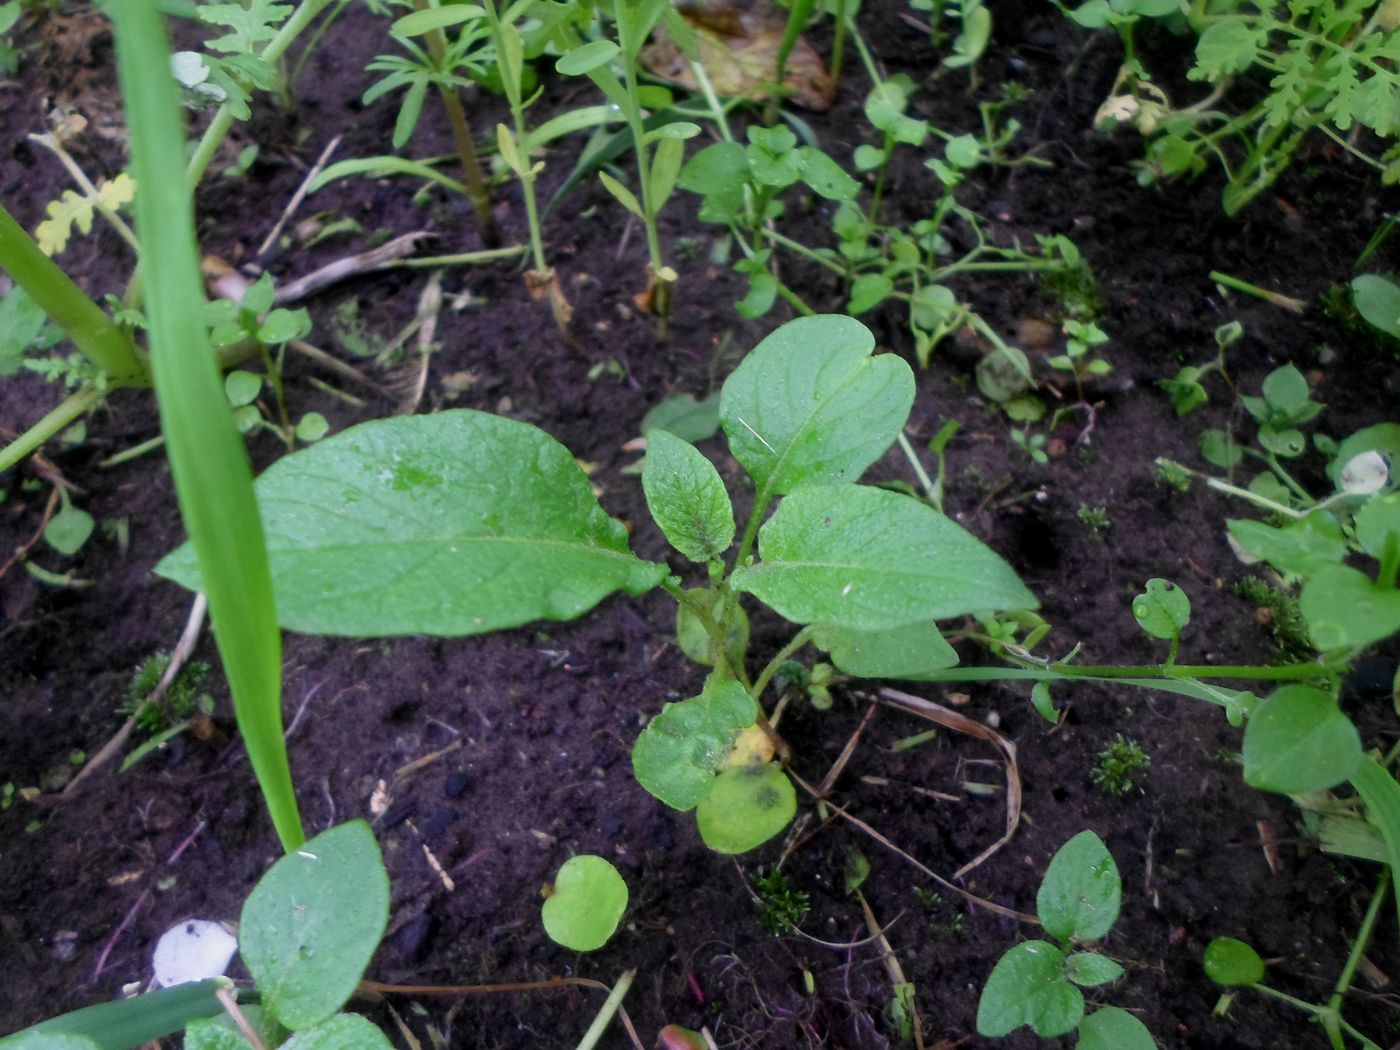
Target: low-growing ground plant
{"points": [[1118, 763], [1037, 983], [1327, 70]]}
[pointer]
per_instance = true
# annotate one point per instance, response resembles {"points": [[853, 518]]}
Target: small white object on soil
{"points": [[1365, 474], [193, 950]]}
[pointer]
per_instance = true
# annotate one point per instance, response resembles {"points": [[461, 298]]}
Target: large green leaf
{"points": [[686, 497], [450, 524], [1028, 986], [312, 923], [1344, 607], [910, 651], [1081, 892], [869, 559], [678, 753], [809, 403], [1299, 740]]}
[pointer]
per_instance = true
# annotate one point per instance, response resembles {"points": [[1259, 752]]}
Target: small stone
{"points": [[456, 785]]}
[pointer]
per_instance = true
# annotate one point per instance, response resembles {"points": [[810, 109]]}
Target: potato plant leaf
{"points": [[809, 404], [1299, 740], [457, 523], [585, 904], [678, 753], [910, 651], [868, 559], [687, 498], [745, 807], [1081, 893], [312, 923], [1028, 987]]}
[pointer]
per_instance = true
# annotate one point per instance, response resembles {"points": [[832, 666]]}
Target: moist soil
{"points": [[503, 755]]}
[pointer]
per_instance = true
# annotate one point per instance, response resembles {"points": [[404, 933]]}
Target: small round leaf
{"points": [[586, 903], [745, 807], [1090, 969], [68, 530], [1163, 609], [1232, 963], [242, 387]]}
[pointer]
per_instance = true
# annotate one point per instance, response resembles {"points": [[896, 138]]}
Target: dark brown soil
{"points": [[540, 720]]}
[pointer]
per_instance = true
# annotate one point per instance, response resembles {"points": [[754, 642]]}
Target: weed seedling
{"points": [[780, 907], [1095, 517], [1038, 983], [1118, 763]]}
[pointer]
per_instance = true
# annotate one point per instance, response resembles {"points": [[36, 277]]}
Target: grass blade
{"points": [[210, 465]]}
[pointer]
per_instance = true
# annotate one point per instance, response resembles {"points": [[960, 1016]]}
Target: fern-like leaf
{"points": [[74, 209]]}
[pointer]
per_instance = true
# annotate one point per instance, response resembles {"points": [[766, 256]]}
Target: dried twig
{"points": [[298, 196], [950, 719]]}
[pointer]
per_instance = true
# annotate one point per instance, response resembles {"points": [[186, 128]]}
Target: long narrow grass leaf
{"points": [[210, 465]]}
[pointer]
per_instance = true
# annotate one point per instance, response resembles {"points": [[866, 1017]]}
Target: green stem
{"points": [[218, 128], [605, 1015], [838, 43], [82, 320], [1363, 937], [1255, 498], [477, 190], [69, 409], [717, 630], [765, 676]]}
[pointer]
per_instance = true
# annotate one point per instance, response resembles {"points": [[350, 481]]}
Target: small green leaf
{"points": [[312, 923], [1028, 987], [1378, 525], [586, 904], [1299, 548], [1299, 740], [870, 559], [48, 1041], [720, 170], [1044, 703], [1219, 450], [868, 291], [1227, 47], [589, 57], [21, 321], [1110, 1028], [312, 427], [1163, 609], [1344, 607], [1232, 963], [745, 807], [687, 498], [459, 522], [1090, 969], [809, 403], [425, 21], [685, 417], [963, 151], [68, 530], [827, 178], [625, 196], [1081, 893], [1378, 301], [909, 652], [242, 387], [341, 1032], [205, 1034], [1286, 389], [678, 753]]}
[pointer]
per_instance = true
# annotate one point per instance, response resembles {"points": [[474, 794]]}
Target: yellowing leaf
{"points": [[739, 52], [74, 209]]}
